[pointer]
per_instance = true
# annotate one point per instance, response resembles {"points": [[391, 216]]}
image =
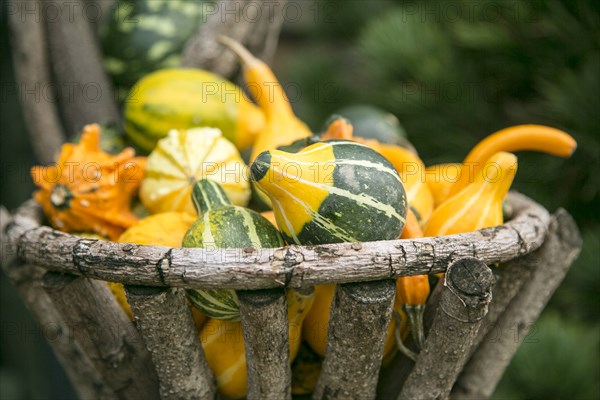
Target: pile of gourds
{"points": [[193, 188]]}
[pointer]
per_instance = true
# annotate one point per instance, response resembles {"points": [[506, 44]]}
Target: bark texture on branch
{"points": [[255, 24], [359, 318], [293, 266], [33, 83], [393, 375], [265, 328], [463, 304], [85, 91], [86, 381], [105, 334], [165, 322], [511, 278], [552, 261]]}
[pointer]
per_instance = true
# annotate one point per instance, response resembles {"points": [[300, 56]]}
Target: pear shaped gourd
{"points": [[446, 180], [332, 192], [479, 204], [223, 225]]}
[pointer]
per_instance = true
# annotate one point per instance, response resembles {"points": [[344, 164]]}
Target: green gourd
{"points": [[332, 192], [223, 225]]}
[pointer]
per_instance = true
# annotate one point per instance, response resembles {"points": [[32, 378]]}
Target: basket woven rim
{"points": [[289, 266]]}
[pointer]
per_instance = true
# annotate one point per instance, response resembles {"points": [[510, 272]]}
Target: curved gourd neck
{"points": [[497, 175], [208, 195]]}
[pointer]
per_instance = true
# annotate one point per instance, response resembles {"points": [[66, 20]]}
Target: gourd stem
{"points": [[207, 195], [247, 59]]}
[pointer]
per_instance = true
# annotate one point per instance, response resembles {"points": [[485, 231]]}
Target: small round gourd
{"points": [[184, 157], [223, 225], [331, 192]]}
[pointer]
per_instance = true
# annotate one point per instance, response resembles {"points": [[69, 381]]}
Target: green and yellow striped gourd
{"points": [[331, 192], [223, 225], [187, 98]]}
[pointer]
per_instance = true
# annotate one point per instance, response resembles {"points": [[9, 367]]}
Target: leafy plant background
{"points": [[452, 72]]}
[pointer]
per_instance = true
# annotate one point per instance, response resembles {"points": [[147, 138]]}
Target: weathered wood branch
{"points": [[86, 381], [511, 278], [463, 304], [551, 263], [33, 84], [393, 375], [293, 266], [359, 318], [105, 334], [265, 327], [85, 91], [256, 24], [165, 322]]}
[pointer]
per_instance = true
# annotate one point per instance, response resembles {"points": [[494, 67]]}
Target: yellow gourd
{"points": [[445, 181], [479, 204], [185, 157], [440, 178], [184, 98], [88, 189], [163, 229], [223, 344], [282, 126]]}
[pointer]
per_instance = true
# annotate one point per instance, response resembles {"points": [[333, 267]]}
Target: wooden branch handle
{"points": [[234, 19], [86, 91], [32, 70], [293, 266], [463, 304]]}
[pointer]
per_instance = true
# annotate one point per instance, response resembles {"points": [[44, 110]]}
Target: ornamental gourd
{"points": [[447, 180], [282, 126], [184, 157], [187, 98], [479, 204], [407, 163], [223, 225], [332, 192], [88, 190]]}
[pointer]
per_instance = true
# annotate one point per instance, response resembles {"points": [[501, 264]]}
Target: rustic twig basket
{"points": [[470, 341], [470, 324]]}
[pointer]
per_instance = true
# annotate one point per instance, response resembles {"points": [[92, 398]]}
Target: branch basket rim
{"points": [[290, 266]]}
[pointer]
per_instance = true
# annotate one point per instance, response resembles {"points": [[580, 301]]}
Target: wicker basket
{"points": [[105, 355]]}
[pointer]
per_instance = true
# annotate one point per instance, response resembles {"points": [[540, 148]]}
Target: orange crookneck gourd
{"points": [[282, 126], [479, 204], [409, 166], [445, 180], [89, 190]]}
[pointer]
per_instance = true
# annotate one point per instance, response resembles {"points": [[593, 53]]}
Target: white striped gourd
{"points": [[331, 192], [223, 225], [184, 157]]}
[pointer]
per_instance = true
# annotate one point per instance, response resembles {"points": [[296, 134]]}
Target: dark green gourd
{"points": [[223, 225]]}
